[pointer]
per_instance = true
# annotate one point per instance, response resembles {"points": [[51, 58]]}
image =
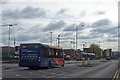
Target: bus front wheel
{"points": [[49, 65], [62, 65], [31, 67]]}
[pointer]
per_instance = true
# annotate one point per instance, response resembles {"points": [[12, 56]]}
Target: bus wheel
{"points": [[49, 65], [31, 67], [62, 65], [34, 68]]}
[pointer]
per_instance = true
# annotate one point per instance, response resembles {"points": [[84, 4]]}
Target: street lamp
{"points": [[9, 25], [77, 35]]}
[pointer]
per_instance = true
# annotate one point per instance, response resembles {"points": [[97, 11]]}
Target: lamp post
{"points": [[51, 38], [9, 25], [14, 44], [77, 35], [58, 40]]}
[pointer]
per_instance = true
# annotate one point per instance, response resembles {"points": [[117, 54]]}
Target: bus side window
{"points": [[50, 53], [45, 51]]}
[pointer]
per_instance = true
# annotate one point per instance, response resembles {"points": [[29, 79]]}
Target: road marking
{"points": [[0, 78], [9, 70], [43, 75], [57, 75], [116, 75], [30, 73], [24, 77], [53, 73], [50, 77], [18, 75], [62, 74], [75, 70]]}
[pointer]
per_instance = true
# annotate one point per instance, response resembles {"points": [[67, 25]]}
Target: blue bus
{"points": [[36, 55]]}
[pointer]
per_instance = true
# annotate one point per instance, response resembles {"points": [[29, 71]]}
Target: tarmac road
{"points": [[97, 69]]}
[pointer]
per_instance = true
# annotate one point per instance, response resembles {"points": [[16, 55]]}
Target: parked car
{"points": [[67, 57]]}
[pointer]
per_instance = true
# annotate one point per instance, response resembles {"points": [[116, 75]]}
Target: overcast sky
{"points": [[36, 18]]}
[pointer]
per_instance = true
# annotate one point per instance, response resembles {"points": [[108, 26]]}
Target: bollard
{"points": [[83, 61], [88, 62]]}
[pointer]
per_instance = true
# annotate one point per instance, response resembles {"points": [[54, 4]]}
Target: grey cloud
{"points": [[83, 13], [82, 26], [19, 29], [67, 34], [102, 22], [23, 38], [13, 30], [4, 1], [62, 11], [29, 34], [5, 39], [95, 35], [111, 40], [26, 37], [45, 40], [90, 36], [54, 26], [27, 12], [70, 28], [100, 12], [115, 36], [5, 32], [109, 30], [35, 29], [113, 31], [84, 37]]}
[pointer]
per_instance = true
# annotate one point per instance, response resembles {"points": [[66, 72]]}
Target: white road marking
{"points": [[18, 75], [56, 75], [53, 73], [30, 73], [50, 77], [24, 77]]}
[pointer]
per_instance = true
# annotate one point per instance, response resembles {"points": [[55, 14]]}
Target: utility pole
{"points": [[9, 25], [83, 45], [76, 37], [58, 40], [74, 44], [14, 44], [51, 38], [71, 44]]}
